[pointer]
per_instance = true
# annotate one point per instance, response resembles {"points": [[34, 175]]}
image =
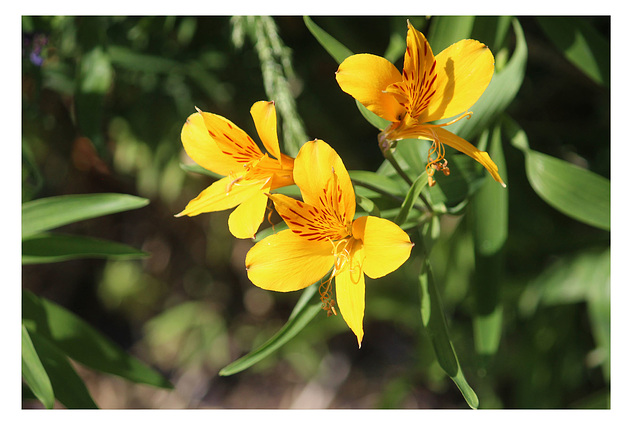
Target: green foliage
{"points": [[51, 335], [507, 289]]}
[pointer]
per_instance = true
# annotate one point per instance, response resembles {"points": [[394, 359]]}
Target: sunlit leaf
{"points": [[378, 182], [501, 91], [438, 333], [447, 30], [490, 225], [52, 212], [301, 315], [576, 192], [333, 47], [81, 342], [46, 248], [34, 373], [412, 197]]}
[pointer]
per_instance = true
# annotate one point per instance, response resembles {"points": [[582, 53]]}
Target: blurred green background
{"points": [[103, 102]]}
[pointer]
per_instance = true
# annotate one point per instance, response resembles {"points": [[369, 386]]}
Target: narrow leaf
{"points": [[413, 194], [578, 193], [446, 30], [300, 316], [69, 388], [572, 190], [439, 335], [501, 91], [34, 373], [378, 182], [81, 342], [489, 214], [51, 212], [46, 248], [336, 49], [581, 44], [375, 120]]}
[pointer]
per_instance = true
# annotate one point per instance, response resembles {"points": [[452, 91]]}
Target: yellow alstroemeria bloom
{"points": [[220, 146], [429, 89], [322, 235]]}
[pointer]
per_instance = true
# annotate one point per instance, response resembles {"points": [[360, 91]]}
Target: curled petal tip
{"points": [[198, 110]]}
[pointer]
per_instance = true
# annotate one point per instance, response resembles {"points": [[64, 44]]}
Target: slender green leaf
{"points": [[375, 120], [339, 53], [572, 190], [336, 49], [446, 30], [581, 44], [301, 315], [367, 205], [195, 168], [81, 342], [51, 212], [34, 373], [492, 31], [378, 182], [501, 91], [69, 388], [489, 214], [46, 248], [413, 194], [439, 335]]}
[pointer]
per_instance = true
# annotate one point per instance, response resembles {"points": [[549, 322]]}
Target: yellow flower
{"points": [[223, 148], [323, 235], [429, 88]]}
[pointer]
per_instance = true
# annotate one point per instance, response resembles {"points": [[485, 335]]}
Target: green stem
{"points": [[386, 147]]}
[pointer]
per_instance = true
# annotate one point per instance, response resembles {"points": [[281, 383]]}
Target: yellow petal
{"points": [[453, 140], [418, 57], [223, 194], [245, 220], [386, 246], [202, 148], [350, 289], [308, 221], [463, 72], [264, 117], [323, 180], [284, 262], [365, 77], [284, 176], [231, 140]]}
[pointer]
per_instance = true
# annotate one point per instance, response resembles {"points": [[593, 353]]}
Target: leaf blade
{"points": [[69, 388], [84, 344], [52, 212], [34, 373], [47, 248], [300, 316]]}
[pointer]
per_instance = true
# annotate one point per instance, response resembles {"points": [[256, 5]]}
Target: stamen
{"points": [[326, 296], [439, 163], [232, 183], [468, 114], [270, 209]]}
